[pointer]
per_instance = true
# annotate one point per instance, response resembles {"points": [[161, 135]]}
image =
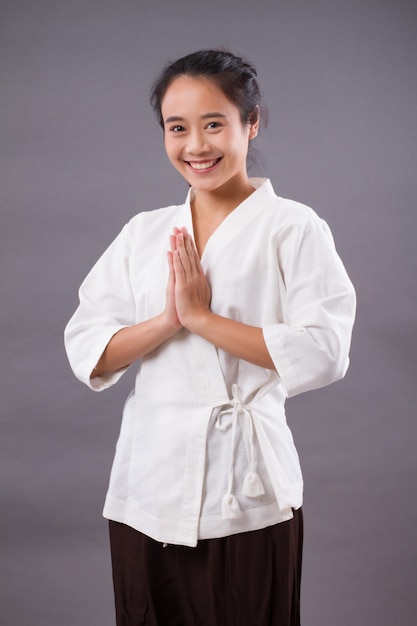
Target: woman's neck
{"points": [[221, 201], [209, 209]]}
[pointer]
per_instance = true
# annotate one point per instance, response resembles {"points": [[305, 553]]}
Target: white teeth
{"points": [[203, 166]]}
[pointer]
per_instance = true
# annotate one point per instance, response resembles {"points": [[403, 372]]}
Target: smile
{"points": [[203, 165]]}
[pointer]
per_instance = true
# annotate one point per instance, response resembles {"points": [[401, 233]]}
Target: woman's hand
{"points": [[192, 302], [192, 291], [170, 312]]}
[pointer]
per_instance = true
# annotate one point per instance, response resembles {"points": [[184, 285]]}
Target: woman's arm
{"points": [[243, 341], [192, 299], [134, 342]]}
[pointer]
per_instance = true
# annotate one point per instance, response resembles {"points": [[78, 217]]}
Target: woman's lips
{"points": [[203, 166]]}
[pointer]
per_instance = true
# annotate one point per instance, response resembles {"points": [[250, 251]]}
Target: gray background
{"points": [[81, 153]]}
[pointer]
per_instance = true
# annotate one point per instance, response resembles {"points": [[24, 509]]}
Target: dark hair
{"points": [[232, 74]]}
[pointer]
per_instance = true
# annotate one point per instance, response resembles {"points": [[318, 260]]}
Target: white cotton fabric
{"points": [[204, 449]]}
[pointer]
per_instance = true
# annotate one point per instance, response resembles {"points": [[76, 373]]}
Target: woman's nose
{"points": [[197, 143]]}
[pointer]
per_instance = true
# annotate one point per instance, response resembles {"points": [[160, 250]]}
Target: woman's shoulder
{"points": [[294, 210], [287, 220], [285, 212], [155, 219]]}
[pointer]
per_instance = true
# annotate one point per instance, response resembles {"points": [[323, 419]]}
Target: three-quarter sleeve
{"points": [[106, 306], [310, 349]]}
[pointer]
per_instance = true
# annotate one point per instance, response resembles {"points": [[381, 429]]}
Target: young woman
{"points": [[229, 303]]}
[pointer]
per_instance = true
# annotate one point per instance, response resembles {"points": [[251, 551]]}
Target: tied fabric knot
{"points": [[230, 507], [252, 485]]}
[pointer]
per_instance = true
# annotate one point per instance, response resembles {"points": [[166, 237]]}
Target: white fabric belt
{"points": [[252, 485]]}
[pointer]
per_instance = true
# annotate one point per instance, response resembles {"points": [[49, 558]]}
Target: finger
{"points": [[179, 273], [192, 254], [172, 242], [170, 258], [189, 243], [183, 254], [173, 238]]}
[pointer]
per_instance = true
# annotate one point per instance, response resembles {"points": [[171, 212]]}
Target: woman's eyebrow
{"points": [[177, 118], [173, 118], [215, 114]]}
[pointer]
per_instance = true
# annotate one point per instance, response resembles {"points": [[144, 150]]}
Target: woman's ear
{"points": [[254, 128], [254, 123]]}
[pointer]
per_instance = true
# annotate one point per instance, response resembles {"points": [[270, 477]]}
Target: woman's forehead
{"points": [[189, 92]]}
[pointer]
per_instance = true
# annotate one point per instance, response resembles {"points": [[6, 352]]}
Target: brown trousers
{"points": [[249, 579]]}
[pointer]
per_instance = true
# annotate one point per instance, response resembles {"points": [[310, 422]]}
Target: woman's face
{"points": [[204, 136]]}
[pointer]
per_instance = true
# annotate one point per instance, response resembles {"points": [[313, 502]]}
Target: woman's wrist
{"points": [[198, 322], [168, 325]]}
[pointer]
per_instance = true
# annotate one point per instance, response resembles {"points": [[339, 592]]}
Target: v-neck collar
{"points": [[235, 220]]}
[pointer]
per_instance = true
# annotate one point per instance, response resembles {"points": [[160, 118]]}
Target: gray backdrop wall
{"points": [[81, 153]]}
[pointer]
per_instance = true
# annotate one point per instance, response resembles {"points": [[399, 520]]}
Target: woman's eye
{"points": [[213, 125], [176, 129]]}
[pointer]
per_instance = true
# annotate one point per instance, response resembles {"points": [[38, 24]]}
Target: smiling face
{"points": [[205, 139]]}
